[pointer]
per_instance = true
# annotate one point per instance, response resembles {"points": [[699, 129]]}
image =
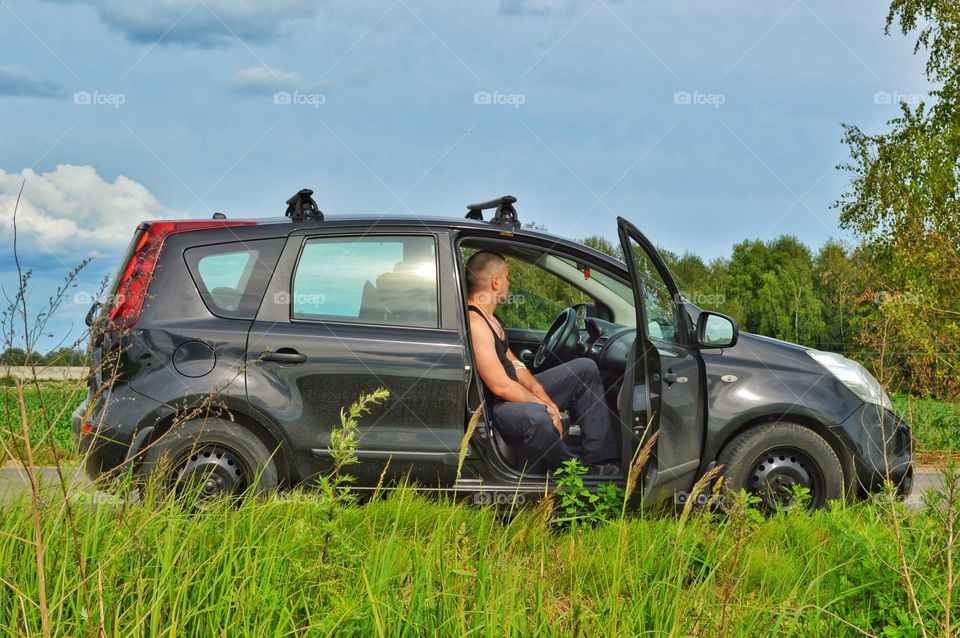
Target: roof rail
{"points": [[301, 206], [506, 214]]}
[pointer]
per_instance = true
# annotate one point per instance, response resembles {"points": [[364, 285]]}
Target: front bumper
{"points": [[883, 449]]}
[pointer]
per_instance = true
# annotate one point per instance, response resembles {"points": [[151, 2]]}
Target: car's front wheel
{"points": [[210, 458], [775, 459]]}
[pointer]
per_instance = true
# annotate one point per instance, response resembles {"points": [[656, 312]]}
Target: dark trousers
{"points": [[574, 386]]}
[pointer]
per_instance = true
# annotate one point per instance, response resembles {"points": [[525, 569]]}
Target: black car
{"points": [[230, 346]]}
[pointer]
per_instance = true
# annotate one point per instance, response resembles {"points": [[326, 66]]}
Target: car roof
{"points": [[427, 221]]}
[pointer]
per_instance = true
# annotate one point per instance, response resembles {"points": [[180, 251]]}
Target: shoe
{"points": [[604, 469]]}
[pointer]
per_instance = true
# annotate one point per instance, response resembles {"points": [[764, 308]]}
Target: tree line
{"points": [[56, 357], [837, 298]]}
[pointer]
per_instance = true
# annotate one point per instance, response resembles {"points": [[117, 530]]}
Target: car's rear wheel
{"points": [[209, 458], [772, 460]]}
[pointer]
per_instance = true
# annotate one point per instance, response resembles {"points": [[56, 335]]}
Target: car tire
{"points": [[221, 456], [767, 460]]}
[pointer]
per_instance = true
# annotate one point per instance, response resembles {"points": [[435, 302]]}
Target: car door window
{"points": [[536, 296], [659, 305], [390, 280]]}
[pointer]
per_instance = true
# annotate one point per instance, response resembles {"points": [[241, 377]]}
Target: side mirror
{"points": [[715, 330]]}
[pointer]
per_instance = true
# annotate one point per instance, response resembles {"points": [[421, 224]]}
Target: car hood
{"points": [[749, 336]]}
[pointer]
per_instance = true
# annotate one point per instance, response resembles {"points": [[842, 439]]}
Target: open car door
{"points": [[664, 372]]}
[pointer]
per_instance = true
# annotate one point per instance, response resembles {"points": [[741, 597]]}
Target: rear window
{"points": [[232, 277]]}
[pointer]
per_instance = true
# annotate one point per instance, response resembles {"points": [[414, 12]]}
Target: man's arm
{"points": [[495, 378], [527, 380]]}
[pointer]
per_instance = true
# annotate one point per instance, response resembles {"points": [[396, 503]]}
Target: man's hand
{"points": [[555, 416]]}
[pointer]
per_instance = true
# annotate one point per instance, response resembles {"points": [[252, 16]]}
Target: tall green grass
{"points": [[78, 563], [402, 565]]}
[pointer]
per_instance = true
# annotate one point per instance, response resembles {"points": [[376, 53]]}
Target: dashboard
{"points": [[607, 343]]}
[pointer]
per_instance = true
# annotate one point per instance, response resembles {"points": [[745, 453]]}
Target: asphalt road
{"points": [[14, 482]]}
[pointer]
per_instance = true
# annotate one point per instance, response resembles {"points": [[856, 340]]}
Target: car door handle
{"points": [[283, 355]]}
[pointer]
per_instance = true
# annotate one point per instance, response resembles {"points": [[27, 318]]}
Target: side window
{"points": [[659, 305], [226, 271], [536, 296], [232, 277], [378, 279]]}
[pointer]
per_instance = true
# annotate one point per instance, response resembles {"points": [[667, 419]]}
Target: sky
{"points": [[703, 123]]}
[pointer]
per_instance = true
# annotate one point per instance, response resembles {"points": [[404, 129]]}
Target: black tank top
{"points": [[501, 345]]}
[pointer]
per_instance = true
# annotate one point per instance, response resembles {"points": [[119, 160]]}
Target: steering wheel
{"points": [[557, 339]]}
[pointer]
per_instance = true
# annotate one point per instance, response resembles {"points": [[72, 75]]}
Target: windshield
{"points": [[613, 292]]}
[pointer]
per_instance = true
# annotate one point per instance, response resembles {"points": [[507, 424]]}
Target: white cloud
{"points": [[536, 7], [15, 81], [203, 24], [72, 211], [261, 79]]}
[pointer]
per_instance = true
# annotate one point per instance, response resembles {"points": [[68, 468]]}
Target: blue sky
{"points": [[704, 123]]}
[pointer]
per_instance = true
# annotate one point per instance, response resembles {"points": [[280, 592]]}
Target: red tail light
{"points": [[132, 289]]}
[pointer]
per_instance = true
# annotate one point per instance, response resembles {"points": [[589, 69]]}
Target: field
{"points": [[49, 405], [404, 565], [318, 563], [936, 425]]}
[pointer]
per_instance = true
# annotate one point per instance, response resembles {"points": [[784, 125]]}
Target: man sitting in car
{"points": [[526, 407]]}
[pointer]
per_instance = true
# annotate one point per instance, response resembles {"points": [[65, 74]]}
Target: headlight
{"points": [[854, 376]]}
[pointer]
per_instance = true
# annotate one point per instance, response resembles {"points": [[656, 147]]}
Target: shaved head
{"points": [[481, 267]]}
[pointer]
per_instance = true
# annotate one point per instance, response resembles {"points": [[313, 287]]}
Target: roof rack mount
{"points": [[301, 206], [505, 215]]}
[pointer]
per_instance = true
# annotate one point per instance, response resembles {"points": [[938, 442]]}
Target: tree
{"points": [[749, 262], [788, 307], [904, 205], [837, 284], [13, 357]]}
